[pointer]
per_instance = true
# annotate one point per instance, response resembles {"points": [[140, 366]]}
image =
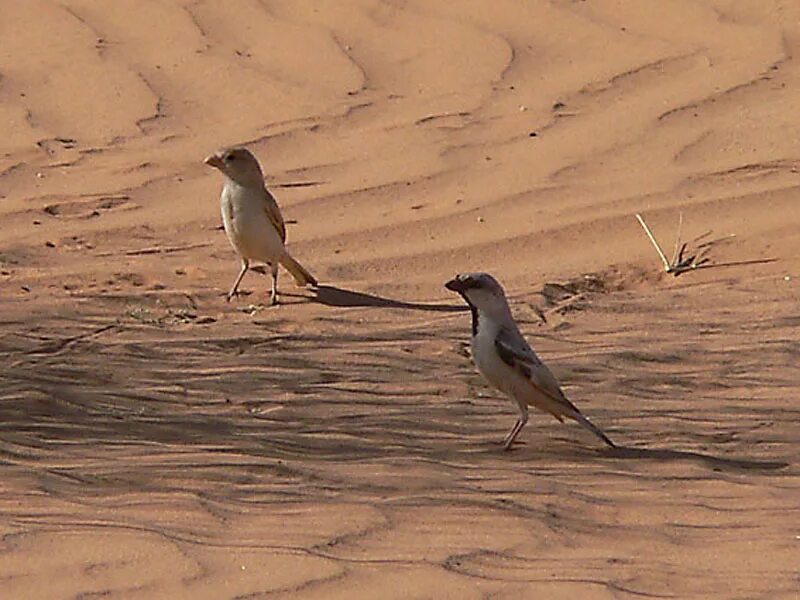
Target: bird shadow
{"points": [[333, 296], [714, 462]]}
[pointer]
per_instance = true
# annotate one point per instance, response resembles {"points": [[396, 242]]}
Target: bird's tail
{"points": [[300, 274], [586, 423]]}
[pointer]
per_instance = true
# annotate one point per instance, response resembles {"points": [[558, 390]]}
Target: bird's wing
{"points": [[274, 214], [515, 352]]}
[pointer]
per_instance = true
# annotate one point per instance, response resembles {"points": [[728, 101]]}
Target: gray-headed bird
{"points": [[252, 219], [506, 360]]}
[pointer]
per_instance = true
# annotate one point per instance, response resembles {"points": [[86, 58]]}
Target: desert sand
{"points": [[158, 442]]}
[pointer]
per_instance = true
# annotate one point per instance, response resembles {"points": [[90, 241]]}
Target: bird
{"points": [[505, 359], [252, 219]]}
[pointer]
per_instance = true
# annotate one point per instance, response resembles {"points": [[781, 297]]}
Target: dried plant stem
{"points": [[655, 243], [699, 259]]}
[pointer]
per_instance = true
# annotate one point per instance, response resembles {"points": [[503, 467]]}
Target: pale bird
{"points": [[252, 219], [506, 360]]}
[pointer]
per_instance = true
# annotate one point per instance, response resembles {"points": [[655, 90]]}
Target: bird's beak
{"points": [[455, 285], [215, 161]]}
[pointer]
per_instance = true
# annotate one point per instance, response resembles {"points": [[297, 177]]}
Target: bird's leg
{"points": [[510, 433], [235, 288], [513, 434], [273, 299], [523, 419]]}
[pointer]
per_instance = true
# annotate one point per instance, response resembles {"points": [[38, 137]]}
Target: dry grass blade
{"points": [[654, 241], [678, 246]]}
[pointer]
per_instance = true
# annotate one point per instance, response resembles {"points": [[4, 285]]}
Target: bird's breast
{"points": [[484, 354], [247, 225]]}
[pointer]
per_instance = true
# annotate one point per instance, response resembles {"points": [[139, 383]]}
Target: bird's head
{"points": [[481, 291], [238, 164]]}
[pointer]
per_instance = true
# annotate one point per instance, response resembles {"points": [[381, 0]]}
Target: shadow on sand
{"points": [[334, 296], [713, 462]]}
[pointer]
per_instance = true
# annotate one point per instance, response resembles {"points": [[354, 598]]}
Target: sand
{"points": [[157, 442]]}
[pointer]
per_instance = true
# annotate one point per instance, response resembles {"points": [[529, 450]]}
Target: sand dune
{"points": [[156, 442]]}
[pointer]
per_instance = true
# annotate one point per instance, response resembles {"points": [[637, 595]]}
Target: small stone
{"points": [[480, 219], [37, 222], [50, 244], [522, 108], [205, 320], [180, 271]]}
